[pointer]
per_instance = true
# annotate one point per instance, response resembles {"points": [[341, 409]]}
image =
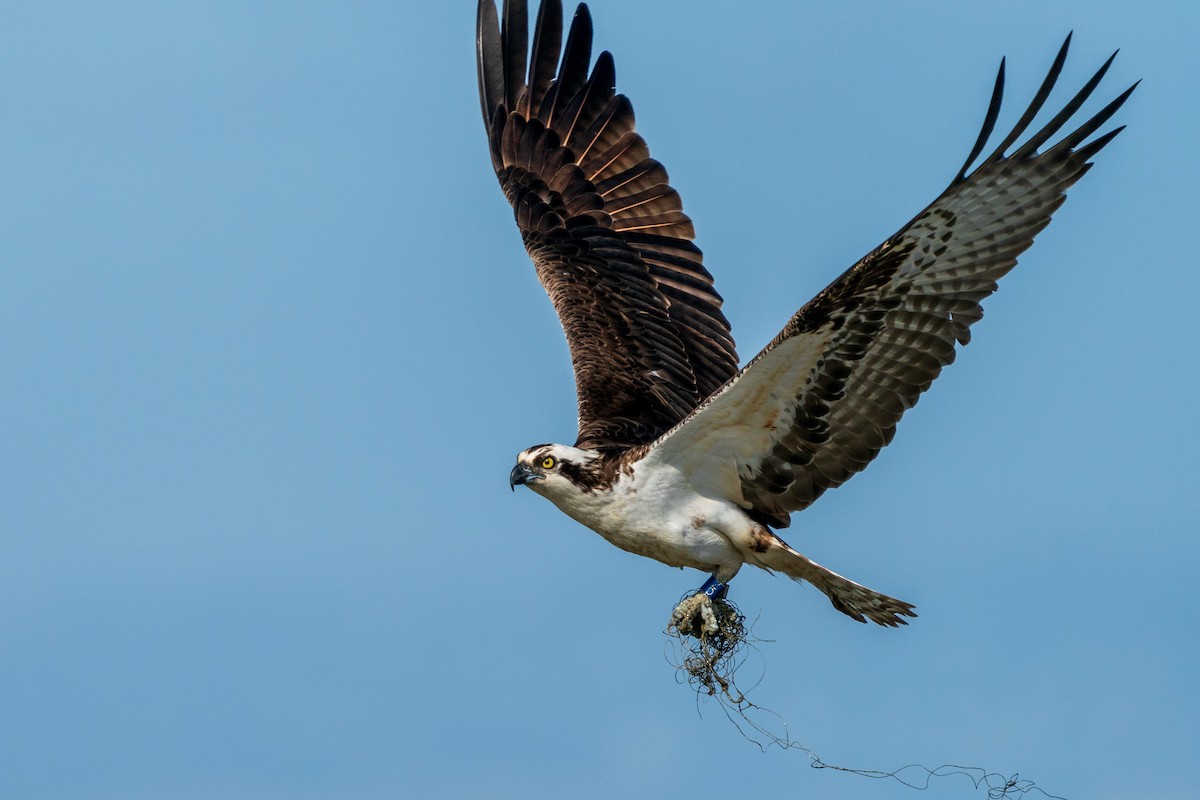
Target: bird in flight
{"points": [[681, 456]]}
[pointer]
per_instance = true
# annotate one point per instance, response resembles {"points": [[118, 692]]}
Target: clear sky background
{"points": [[270, 343]]}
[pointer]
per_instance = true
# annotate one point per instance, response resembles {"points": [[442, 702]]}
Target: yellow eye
{"points": [[548, 462]]}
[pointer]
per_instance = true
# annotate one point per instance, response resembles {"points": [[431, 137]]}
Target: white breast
{"points": [[653, 511]]}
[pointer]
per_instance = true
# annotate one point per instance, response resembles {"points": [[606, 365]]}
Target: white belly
{"points": [[656, 513]]}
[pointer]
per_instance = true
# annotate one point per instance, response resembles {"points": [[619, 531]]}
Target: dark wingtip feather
{"points": [[515, 34], [1088, 128], [578, 51], [1069, 142], [1085, 153], [989, 123], [577, 55], [1068, 111], [1039, 100], [604, 72], [489, 59], [547, 43]]}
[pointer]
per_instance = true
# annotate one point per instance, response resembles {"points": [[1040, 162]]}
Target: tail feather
{"points": [[852, 599]]}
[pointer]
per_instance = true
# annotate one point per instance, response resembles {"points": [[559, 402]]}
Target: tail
{"points": [[852, 599]]}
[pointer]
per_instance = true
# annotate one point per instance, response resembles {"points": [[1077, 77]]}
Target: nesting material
{"points": [[711, 635]]}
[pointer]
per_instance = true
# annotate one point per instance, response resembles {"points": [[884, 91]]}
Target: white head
{"points": [[556, 470]]}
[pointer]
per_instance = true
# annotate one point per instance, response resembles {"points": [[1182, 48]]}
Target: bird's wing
{"points": [[821, 400], [605, 230]]}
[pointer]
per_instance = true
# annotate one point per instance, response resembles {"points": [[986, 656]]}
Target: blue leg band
{"points": [[714, 588]]}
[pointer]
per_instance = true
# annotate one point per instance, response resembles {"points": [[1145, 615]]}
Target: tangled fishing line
{"points": [[712, 635], [709, 644]]}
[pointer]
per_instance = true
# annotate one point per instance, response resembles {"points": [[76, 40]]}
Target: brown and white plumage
{"points": [[605, 229], [681, 456]]}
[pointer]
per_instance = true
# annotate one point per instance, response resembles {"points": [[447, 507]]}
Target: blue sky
{"points": [[270, 345]]}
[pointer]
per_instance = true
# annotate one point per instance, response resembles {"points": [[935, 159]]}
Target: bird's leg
{"points": [[694, 615]]}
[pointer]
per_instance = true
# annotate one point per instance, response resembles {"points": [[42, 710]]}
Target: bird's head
{"points": [[552, 469]]}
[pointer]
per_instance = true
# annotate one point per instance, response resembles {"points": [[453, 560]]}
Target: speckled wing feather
{"points": [[605, 230], [821, 400]]}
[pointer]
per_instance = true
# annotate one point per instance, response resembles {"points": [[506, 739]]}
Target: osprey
{"points": [[681, 456]]}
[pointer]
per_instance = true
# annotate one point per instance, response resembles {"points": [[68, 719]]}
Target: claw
{"points": [[694, 616]]}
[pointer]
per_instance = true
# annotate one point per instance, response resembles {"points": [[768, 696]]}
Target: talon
{"points": [[708, 618], [695, 616]]}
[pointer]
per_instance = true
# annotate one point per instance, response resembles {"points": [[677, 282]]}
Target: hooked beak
{"points": [[521, 474]]}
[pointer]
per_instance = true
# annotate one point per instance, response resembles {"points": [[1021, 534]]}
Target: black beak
{"points": [[520, 474]]}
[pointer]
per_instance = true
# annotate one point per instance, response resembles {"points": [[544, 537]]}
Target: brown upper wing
{"points": [[821, 400], [605, 230]]}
